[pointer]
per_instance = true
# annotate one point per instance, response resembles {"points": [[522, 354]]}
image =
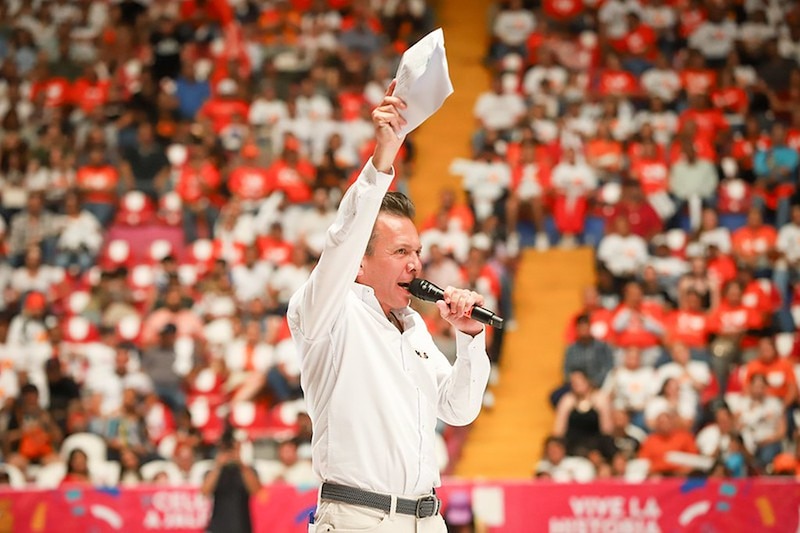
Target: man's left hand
{"points": [[456, 308]]}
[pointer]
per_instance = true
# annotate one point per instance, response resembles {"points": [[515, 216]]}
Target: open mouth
{"points": [[404, 285]]}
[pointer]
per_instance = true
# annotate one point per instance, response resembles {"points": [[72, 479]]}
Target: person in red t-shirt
{"points": [[90, 92], [273, 247], [650, 170], [220, 109], [730, 98], [696, 78], [638, 45], [643, 219], [198, 186], [98, 181], [292, 175], [614, 80], [249, 182], [760, 294]]}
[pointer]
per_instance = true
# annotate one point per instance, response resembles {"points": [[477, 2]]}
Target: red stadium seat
{"points": [[135, 209]]}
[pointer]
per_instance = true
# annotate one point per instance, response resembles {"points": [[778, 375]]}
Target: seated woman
{"points": [[583, 418], [77, 469]]}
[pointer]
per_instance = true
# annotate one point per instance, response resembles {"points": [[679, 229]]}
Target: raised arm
{"points": [[314, 309]]}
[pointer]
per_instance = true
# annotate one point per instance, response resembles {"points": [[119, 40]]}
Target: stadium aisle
{"points": [[506, 441], [446, 135]]}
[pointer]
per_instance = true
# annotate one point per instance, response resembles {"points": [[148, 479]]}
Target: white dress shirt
{"points": [[374, 393]]}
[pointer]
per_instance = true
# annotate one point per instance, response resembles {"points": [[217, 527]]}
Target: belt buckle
{"points": [[427, 506]]}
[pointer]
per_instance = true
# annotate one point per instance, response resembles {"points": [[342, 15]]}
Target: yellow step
{"points": [[505, 442]]}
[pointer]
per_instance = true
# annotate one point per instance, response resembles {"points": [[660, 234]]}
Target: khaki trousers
{"points": [[346, 518]]}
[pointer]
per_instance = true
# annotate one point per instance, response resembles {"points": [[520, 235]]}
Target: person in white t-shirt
{"points": [[561, 468], [631, 385], [692, 376], [622, 252], [248, 358], [544, 70], [511, 28], [715, 38], [250, 279], [573, 181], [715, 439], [762, 420], [290, 276], [498, 110]]}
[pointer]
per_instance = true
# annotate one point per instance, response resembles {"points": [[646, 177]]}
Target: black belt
{"points": [[421, 508]]}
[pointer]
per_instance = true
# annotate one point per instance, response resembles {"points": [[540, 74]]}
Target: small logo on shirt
{"points": [[423, 355]]}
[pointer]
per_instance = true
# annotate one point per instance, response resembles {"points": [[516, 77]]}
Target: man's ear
{"points": [[360, 270]]}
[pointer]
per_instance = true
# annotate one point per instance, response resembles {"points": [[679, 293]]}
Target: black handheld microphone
{"points": [[427, 291]]}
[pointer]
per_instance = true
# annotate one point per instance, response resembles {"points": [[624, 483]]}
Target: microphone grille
{"points": [[423, 289]]}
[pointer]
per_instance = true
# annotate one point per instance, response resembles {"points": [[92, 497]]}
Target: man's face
{"points": [[394, 261]]}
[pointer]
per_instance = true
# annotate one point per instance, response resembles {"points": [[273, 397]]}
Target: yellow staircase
{"points": [[506, 441], [446, 135]]}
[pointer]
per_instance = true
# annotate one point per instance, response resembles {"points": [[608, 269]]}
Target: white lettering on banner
{"points": [[177, 510], [610, 514]]}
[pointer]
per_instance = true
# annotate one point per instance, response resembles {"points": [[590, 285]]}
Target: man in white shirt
{"points": [[374, 381], [622, 252], [498, 110]]}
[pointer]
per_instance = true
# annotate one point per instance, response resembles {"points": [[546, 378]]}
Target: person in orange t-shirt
{"points": [[599, 318], [778, 372], [457, 212], [667, 437], [709, 121], [639, 324], [689, 323], [754, 243], [198, 186], [733, 326], [97, 182], [603, 152]]}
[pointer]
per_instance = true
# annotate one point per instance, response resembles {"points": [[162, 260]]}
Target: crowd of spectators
{"points": [[168, 169], [665, 134]]}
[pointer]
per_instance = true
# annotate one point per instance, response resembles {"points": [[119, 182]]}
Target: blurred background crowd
{"points": [[168, 169]]}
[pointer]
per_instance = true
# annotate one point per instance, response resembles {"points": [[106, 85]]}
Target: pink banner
{"points": [[759, 504]]}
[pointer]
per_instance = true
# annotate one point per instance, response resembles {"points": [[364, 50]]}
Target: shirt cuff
{"points": [[375, 177], [467, 345]]}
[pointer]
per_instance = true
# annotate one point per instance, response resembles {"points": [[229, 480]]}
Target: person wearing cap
{"points": [[374, 381]]}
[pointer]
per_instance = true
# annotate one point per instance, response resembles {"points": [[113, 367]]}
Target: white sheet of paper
{"points": [[423, 79]]}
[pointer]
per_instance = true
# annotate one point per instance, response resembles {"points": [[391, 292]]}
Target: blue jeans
{"points": [[173, 396], [782, 212], [191, 219], [83, 259], [103, 212], [280, 386], [766, 453]]}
